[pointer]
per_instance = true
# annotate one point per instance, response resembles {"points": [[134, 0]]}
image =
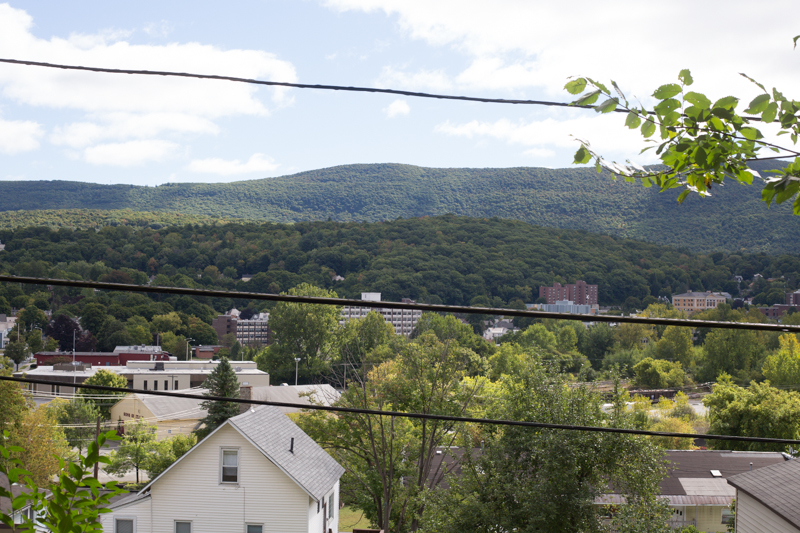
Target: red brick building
{"points": [[579, 293]]}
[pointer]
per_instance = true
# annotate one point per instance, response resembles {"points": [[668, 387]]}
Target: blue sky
{"points": [[120, 129]]}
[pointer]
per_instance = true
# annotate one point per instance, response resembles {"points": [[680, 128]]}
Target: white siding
{"points": [[191, 490], [753, 517], [139, 511]]}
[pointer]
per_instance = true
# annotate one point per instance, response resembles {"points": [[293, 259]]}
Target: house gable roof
{"points": [[308, 465], [777, 487], [271, 431]]}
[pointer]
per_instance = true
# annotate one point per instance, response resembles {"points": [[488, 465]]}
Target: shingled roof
{"points": [[308, 464], [777, 487]]}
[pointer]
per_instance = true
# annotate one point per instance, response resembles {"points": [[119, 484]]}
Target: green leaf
{"points": [[632, 120], [648, 128], [728, 102], [619, 91], [682, 196], [697, 99], [686, 77], [665, 106], [608, 106], [582, 156], [795, 41], [576, 86], [670, 119], [667, 91], [758, 105], [754, 81], [588, 99], [750, 133], [769, 113]]}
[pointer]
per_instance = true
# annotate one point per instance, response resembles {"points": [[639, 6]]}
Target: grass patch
{"points": [[350, 518]]}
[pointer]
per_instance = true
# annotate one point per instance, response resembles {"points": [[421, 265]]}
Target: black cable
{"points": [[299, 85], [432, 308], [400, 414]]}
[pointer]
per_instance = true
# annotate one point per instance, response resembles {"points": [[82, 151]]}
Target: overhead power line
{"points": [[433, 308], [422, 416], [298, 85]]}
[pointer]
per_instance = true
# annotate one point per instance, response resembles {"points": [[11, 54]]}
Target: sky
{"points": [[108, 128]]}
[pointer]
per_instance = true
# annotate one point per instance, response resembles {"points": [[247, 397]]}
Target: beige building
{"points": [[697, 301], [172, 416]]}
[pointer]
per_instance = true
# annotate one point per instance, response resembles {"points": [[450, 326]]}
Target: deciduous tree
{"points": [[103, 400]]}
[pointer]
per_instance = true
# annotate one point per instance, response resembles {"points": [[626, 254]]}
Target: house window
{"points": [[727, 516], [183, 527], [155, 384], [124, 525], [55, 389], [166, 384], [330, 506], [230, 466], [145, 384], [176, 384], [254, 528]]}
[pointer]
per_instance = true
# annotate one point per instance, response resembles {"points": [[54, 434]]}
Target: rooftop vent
{"points": [[159, 366], [716, 473]]}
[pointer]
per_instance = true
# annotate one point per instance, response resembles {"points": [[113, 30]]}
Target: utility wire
{"points": [[433, 308], [298, 85], [423, 416]]}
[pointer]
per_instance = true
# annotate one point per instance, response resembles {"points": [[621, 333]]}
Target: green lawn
{"points": [[350, 518]]}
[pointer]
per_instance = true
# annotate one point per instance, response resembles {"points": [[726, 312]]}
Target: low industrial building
{"points": [[119, 357], [141, 375]]}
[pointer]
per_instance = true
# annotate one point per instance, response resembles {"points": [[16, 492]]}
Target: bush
{"points": [[658, 374]]}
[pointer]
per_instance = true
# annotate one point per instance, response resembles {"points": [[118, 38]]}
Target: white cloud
{"points": [[128, 154], [396, 108], [435, 80], [158, 29], [122, 125], [543, 136], [515, 43], [19, 136], [93, 92], [222, 167]]}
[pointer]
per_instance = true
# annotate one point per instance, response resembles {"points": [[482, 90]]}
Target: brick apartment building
{"points": [[579, 293], [793, 299]]}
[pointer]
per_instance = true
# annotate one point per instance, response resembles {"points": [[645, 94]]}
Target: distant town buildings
{"points": [[793, 299], [566, 306], [2, 246], [698, 301], [403, 320], [119, 357], [142, 375], [579, 293], [249, 332]]}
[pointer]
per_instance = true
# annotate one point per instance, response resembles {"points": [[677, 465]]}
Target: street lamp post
{"points": [[296, 364], [187, 348]]}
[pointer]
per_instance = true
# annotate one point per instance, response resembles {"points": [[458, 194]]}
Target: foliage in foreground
{"points": [[72, 504]]}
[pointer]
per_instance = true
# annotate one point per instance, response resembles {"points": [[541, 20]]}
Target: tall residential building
{"points": [[253, 331], [403, 320], [793, 299], [698, 301], [579, 293]]}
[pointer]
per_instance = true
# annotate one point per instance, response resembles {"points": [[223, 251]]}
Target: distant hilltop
{"points": [[732, 220]]}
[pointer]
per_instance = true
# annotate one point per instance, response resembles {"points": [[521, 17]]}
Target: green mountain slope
{"points": [[733, 220]]}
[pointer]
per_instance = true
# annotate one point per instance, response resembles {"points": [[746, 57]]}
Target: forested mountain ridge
{"points": [[733, 220], [445, 259]]}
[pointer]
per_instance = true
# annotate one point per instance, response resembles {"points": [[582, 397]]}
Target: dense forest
{"points": [[733, 220], [446, 259]]}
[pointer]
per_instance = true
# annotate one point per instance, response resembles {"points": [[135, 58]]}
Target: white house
{"points": [[768, 499], [257, 473]]}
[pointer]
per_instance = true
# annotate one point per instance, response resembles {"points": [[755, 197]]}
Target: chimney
{"points": [[245, 393], [291, 446]]}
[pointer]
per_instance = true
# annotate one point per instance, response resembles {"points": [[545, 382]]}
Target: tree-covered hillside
{"points": [[733, 220], [446, 259]]}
